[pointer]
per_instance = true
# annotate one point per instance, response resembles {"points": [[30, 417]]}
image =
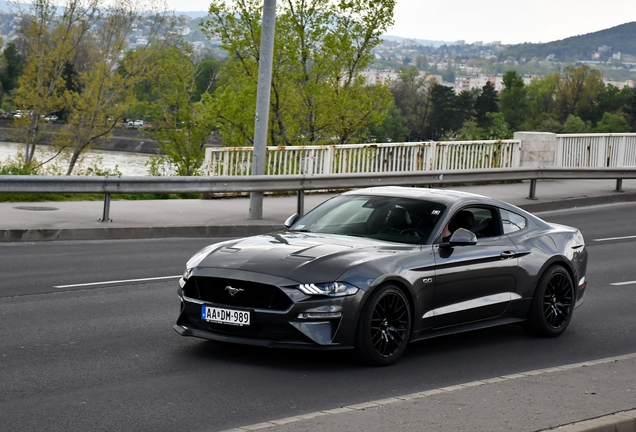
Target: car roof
{"points": [[445, 196], [450, 198]]}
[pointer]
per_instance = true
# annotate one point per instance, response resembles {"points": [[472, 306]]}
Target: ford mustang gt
{"points": [[377, 268]]}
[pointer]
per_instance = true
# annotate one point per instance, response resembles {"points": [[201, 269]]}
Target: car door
{"points": [[474, 282]]}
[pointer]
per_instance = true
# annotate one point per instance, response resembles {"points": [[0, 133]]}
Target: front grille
{"points": [[253, 294]]}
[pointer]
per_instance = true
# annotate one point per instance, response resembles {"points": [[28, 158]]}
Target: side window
{"points": [[512, 221], [480, 220]]}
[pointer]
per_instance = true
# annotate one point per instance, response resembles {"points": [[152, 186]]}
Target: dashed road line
{"points": [[117, 282], [615, 238]]}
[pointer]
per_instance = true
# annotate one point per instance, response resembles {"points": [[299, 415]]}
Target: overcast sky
{"points": [[508, 21]]}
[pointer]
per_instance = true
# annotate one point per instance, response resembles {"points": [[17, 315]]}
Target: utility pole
{"points": [[261, 121]]}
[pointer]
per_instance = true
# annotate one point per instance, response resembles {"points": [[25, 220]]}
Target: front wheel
{"points": [[384, 328], [552, 304]]}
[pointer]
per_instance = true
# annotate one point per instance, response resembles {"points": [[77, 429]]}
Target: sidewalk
{"points": [[79, 220], [603, 391]]}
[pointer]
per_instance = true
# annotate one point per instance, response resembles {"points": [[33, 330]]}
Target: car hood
{"points": [[302, 257]]}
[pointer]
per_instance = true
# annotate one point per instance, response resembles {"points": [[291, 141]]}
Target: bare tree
{"points": [[107, 73], [49, 41]]}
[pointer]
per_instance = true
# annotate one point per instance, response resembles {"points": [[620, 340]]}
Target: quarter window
{"points": [[512, 222]]}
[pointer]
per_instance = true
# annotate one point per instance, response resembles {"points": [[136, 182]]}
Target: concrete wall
{"points": [[538, 149]]}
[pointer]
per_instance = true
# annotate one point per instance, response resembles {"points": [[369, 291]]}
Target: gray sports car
{"points": [[376, 268]]}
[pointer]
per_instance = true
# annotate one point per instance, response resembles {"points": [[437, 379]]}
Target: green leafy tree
{"points": [[612, 123], [394, 128], [318, 96], [448, 75], [207, 76], [609, 100], [422, 63], [446, 113], [630, 107], [549, 124], [574, 125], [486, 102], [411, 92], [12, 67], [541, 101], [498, 129], [576, 88], [185, 121], [513, 99]]}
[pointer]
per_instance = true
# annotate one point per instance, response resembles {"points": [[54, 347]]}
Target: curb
{"points": [[624, 421], [536, 206]]}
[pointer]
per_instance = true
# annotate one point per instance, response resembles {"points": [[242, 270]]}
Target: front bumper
{"points": [[279, 328]]}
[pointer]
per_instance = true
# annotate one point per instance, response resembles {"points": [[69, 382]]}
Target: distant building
{"points": [[619, 84], [378, 77]]}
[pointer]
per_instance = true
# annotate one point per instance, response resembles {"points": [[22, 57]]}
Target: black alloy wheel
{"points": [[557, 301], [552, 304], [385, 326]]}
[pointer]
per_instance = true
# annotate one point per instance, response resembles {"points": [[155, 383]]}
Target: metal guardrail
{"points": [[300, 183]]}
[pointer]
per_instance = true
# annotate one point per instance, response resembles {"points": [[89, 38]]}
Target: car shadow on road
{"points": [[480, 343]]}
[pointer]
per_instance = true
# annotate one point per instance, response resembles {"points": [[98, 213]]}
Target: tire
{"points": [[384, 328], [552, 304]]}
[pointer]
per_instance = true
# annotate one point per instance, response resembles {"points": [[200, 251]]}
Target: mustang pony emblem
{"points": [[233, 291]]}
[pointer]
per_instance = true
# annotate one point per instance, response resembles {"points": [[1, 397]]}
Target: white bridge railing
{"points": [[366, 158], [596, 150]]}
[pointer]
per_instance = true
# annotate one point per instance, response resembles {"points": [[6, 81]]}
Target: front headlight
{"points": [[331, 289]]}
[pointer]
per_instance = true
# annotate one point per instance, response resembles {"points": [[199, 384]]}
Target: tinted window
{"points": [[479, 220], [512, 221], [395, 219]]}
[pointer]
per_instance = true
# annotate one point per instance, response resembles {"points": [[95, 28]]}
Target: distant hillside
{"points": [[592, 46], [423, 42]]}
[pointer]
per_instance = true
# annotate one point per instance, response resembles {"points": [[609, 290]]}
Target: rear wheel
{"points": [[552, 304], [384, 328]]}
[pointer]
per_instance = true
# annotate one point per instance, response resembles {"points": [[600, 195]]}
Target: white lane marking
{"points": [[117, 282], [623, 283], [615, 238], [413, 396]]}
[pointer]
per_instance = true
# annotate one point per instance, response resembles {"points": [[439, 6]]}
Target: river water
{"points": [[129, 164]]}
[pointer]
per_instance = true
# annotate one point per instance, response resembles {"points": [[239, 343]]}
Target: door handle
{"points": [[507, 254]]}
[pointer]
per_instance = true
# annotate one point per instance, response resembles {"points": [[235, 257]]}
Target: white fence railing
{"points": [[596, 150], [366, 158]]}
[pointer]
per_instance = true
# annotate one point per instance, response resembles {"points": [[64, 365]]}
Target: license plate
{"points": [[225, 316]]}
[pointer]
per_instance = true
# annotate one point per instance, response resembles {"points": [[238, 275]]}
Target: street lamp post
{"points": [[261, 121]]}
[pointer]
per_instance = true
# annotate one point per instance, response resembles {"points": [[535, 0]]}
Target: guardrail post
{"points": [[533, 189], [619, 185], [300, 209], [106, 215]]}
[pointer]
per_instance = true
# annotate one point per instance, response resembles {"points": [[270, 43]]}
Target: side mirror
{"points": [[291, 220], [461, 237]]}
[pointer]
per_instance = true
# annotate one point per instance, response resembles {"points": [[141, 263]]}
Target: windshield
{"points": [[395, 219]]}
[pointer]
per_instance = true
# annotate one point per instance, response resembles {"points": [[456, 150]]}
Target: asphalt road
{"points": [[105, 357]]}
